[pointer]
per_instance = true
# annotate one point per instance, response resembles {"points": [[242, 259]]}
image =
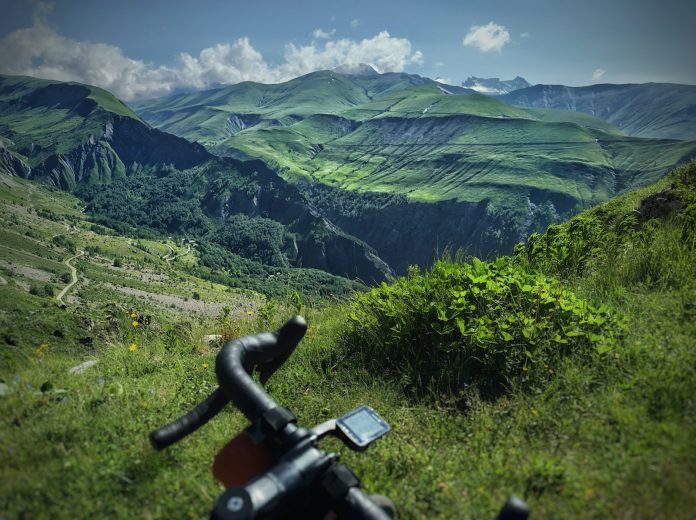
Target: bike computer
{"points": [[362, 427]]}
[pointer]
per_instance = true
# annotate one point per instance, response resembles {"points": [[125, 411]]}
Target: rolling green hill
{"points": [[70, 134], [499, 171], [213, 115], [660, 110], [138, 179]]}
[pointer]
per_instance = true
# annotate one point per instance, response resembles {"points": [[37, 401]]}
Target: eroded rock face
{"points": [[238, 122], [12, 164], [125, 145], [662, 205], [135, 142], [319, 243], [416, 233]]}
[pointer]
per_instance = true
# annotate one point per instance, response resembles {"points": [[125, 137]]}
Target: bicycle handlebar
{"points": [[267, 352], [181, 427], [233, 366], [301, 461], [358, 506]]}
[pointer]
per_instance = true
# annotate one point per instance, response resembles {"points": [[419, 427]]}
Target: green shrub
{"points": [[64, 241], [486, 325], [41, 290]]}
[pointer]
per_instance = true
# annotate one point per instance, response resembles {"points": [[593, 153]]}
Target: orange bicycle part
{"points": [[240, 460]]}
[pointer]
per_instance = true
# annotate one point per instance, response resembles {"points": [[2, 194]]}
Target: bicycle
{"points": [[275, 468]]}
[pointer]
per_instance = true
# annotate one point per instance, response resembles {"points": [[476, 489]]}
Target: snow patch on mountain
{"points": [[495, 86]]}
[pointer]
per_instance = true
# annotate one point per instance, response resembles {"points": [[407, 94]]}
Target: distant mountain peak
{"points": [[495, 86], [361, 69]]}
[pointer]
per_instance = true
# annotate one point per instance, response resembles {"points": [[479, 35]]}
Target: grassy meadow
{"points": [[563, 374]]}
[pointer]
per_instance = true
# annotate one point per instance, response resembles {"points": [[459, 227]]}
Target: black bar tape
{"points": [[201, 414], [357, 506], [266, 351]]}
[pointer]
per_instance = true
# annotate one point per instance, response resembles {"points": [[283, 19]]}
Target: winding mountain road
{"points": [[73, 272]]}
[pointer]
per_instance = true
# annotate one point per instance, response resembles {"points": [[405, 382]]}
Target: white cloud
{"points": [[40, 51], [383, 52], [447, 81], [321, 34], [598, 74], [354, 23], [487, 38], [525, 35]]}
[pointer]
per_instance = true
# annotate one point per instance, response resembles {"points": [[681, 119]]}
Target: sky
{"points": [[144, 49]]}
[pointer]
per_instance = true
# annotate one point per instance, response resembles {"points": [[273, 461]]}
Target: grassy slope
{"points": [[420, 141], [51, 122], [600, 441]]}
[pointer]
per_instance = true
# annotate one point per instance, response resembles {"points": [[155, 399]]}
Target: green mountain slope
{"points": [[498, 171], [661, 110], [71, 134], [213, 115], [82, 139]]}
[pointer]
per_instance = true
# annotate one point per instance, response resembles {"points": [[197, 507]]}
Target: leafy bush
{"points": [[64, 241], [490, 325], [41, 290]]}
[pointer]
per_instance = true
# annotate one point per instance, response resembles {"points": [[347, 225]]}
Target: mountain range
{"points": [[471, 170], [350, 171], [82, 139], [659, 110], [495, 86]]}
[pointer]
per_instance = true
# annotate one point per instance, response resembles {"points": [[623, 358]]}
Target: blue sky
{"points": [[148, 48]]}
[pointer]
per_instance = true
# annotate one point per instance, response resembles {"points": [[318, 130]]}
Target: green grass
{"points": [[551, 115], [605, 437], [463, 157]]}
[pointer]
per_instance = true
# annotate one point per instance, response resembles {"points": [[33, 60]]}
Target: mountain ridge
{"points": [[660, 110], [431, 143], [495, 86], [57, 138]]}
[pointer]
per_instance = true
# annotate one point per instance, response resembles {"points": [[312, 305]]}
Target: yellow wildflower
{"points": [[250, 313], [204, 365], [135, 323], [133, 347], [133, 315]]}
